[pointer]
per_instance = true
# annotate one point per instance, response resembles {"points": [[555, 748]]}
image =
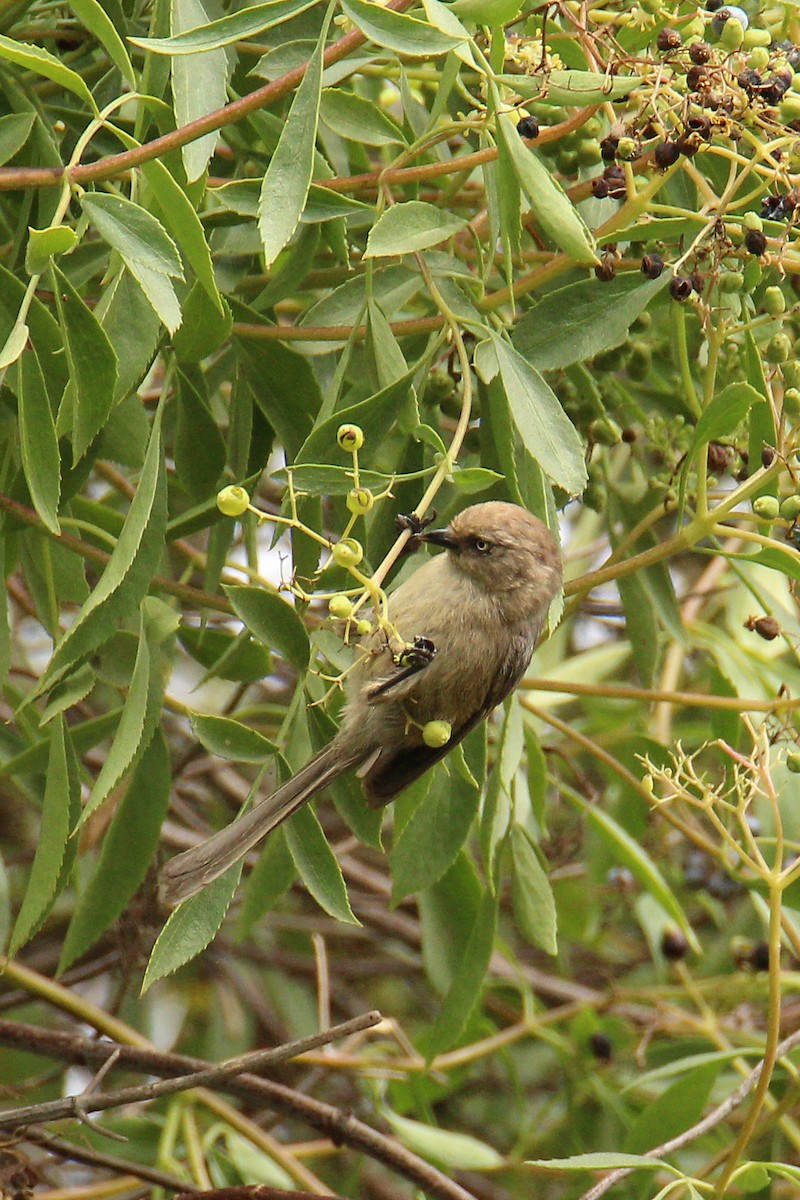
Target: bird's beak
{"points": [[439, 537]]}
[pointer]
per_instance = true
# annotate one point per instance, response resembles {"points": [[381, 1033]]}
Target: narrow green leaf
{"points": [[38, 442], [226, 30], [676, 1109], [291, 168], [375, 416], [160, 294], [273, 621], [534, 905], [135, 233], [226, 655], [54, 832], [183, 223], [42, 62], [583, 319], [358, 119], [447, 915], [456, 1151], [551, 205], [465, 991], [94, 17], [43, 244], [125, 856], [724, 413], [191, 927], [15, 129], [431, 839], [128, 572], [273, 874], [92, 365], [470, 480], [198, 448], [546, 432], [571, 87], [601, 1161], [133, 329], [200, 83], [231, 739], [14, 344], [317, 866], [411, 226], [398, 31]]}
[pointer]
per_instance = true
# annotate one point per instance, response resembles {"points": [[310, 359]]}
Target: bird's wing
{"points": [[393, 769]]}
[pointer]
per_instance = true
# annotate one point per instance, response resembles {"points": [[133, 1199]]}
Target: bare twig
{"points": [[97, 1158]]}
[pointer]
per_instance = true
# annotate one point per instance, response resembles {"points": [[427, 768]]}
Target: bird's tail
{"points": [[192, 870]]}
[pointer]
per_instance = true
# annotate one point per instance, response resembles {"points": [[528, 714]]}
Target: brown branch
{"points": [[98, 1158], [115, 164], [341, 1127]]}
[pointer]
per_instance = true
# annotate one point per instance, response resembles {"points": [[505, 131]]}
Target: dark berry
{"points": [[629, 435], [666, 153], [766, 628], [695, 76], [528, 127], [680, 288], [768, 454], [714, 5], [601, 1046], [608, 148], [668, 39], [759, 956], [599, 187], [697, 281], [750, 82], [700, 126], [605, 271], [722, 887], [699, 53], [674, 945], [718, 458], [689, 144], [755, 241], [652, 265]]}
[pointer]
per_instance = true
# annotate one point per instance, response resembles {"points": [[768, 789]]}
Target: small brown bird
{"points": [[474, 614]]}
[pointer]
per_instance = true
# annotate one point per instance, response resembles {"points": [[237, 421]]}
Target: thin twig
{"points": [[97, 1158]]}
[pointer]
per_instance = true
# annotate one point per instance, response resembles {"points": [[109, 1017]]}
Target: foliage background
{"points": [[225, 233]]}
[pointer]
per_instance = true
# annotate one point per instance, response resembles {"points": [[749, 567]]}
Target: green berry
{"points": [[350, 437], [347, 553], [752, 274], [588, 153], [359, 501], [605, 432], [791, 370], [774, 301], [732, 34], [759, 59], [627, 148], [752, 220], [766, 507], [791, 402], [793, 762], [233, 501], [756, 37], [779, 348], [340, 607], [437, 734], [363, 627], [790, 107], [790, 508]]}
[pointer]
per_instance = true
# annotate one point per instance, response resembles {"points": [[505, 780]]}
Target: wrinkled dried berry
{"points": [[666, 153], [697, 281], [700, 126], [652, 265], [680, 288], [688, 145], [755, 242], [615, 178], [599, 187], [699, 53], [608, 148], [695, 76], [751, 82], [778, 208], [528, 127], [719, 457], [768, 455], [668, 39], [790, 52], [605, 271]]}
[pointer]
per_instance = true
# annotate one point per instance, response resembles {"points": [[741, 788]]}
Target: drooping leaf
{"points": [[94, 17], [317, 866], [434, 834], [273, 621], [42, 62], [466, 987], [534, 905], [191, 927], [398, 31], [38, 442]]}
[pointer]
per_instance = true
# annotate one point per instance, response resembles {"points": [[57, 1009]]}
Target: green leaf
{"points": [[397, 31], [94, 18], [127, 574], [415, 225], [136, 234], [15, 129], [357, 119], [199, 84], [455, 1151], [432, 837], [551, 205], [13, 346], [273, 621], [191, 927], [725, 412], [38, 442], [374, 416], [231, 739], [273, 371], [641, 865], [601, 1161], [571, 87], [142, 708], [316, 479], [751, 1177], [534, 905], [291, 168], [317, 866], [203, 330], [126, 853], [226, 655], [447, 916], [546, 432], [43, 244], [273, 874], [92, 365], [487, 12], [470, 480], [133, 329], [198, 449], [183, 223], [583, 319], [676, 1109], [226, 30], [61, 798], [42, 62], [466, 988]]}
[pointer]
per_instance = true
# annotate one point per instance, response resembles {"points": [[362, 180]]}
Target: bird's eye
{"points": [[482, 546]]}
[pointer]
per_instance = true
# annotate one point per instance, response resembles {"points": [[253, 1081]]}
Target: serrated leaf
{"points": [[398, 31], [572, 87], [38, 442], [374, 416], [534, 905], [583, 319], [127, 574], [273, 621], [94, 17], [60, 798], [551, 205], [183, 223], [414, 225], [231, 739], [546, 431], [135, 233], [192, 926], [42, 62], [92, 365], [225, 30], [291, 168], [128, 847], [200, 83], [432, 837], [317, 866]]}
